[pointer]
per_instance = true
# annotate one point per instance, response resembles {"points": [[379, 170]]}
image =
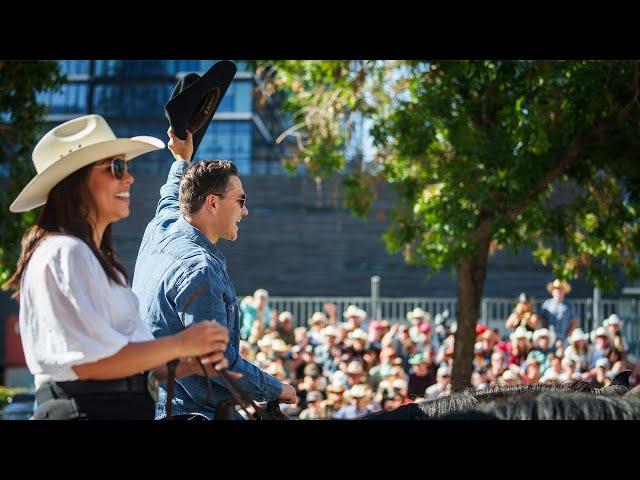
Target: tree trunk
{"points": [[471, 277]]}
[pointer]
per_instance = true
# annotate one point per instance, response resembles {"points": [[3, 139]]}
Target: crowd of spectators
{"points": [[344, 366]]}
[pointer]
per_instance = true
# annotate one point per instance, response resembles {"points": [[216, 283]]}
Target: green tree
{"points": [[483, 155], [21, 123]]}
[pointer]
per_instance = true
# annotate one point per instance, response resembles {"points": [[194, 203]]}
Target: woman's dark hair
{"points": [[67, 211]]}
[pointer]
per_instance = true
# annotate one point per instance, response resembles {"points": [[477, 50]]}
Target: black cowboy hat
{"points": [[195, 100]]}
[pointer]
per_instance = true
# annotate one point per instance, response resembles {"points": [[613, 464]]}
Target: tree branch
{"points": [[549, 176]]}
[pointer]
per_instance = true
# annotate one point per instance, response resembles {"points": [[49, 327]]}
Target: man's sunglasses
{"points": [[241, 200], [118, 166]]}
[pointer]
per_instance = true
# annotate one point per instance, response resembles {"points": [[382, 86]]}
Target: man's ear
{"points": [[210, 202]]}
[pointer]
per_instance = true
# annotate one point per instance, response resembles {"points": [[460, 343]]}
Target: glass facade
{"points": [[131, 95]]}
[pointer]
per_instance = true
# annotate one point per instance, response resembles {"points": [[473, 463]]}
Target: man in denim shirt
{"points": [[200, 204]]}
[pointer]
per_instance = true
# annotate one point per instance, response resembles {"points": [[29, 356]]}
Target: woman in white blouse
{"points": [[82, 335]]}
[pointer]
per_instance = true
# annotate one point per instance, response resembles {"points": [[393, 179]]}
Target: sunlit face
{"points": [[228, 210], [558, 294], [110, 195], [543, 342]]}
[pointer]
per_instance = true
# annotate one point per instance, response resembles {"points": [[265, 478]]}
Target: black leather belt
{"points": [[53, 390]]}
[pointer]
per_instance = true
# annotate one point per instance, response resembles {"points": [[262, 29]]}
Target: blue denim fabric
{"points": [[174, 261]]}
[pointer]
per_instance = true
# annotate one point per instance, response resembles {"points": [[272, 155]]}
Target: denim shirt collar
{"points": [[200, 238]]}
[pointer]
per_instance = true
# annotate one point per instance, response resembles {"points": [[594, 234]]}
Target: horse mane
{"points": [[469, 400], [556, 406]]}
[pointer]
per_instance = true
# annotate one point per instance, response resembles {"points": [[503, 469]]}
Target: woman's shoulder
{"points": [[64, 242], [63, 249]]}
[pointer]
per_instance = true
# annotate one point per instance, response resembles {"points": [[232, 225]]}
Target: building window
{"points": [[131, 100], [70, 98], [228, 140]]}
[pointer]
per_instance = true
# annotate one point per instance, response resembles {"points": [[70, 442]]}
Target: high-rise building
{"points": [[131, 95]]}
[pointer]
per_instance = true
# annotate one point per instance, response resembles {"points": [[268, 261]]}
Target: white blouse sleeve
{"points": [[73, 300]]}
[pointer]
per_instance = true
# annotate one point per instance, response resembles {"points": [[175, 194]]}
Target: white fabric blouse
{"points": [[70, 312]]}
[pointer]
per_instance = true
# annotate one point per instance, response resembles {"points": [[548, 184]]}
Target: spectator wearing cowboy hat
{"points": [[322, 352], [359, 396], [543, 340], [522, 315], [601, 343], [579, 350], [417, 317], [509, 377], [557, 313], [355, 318], [335, 398], [317, 323], [284, 327], [531, 372], [82, 335], [519, 347], [613, 324], [356, 373]]}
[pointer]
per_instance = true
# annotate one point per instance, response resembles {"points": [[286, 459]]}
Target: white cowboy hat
{"points": [[612, 320], [578, 334], [358, 391], [417, 313], [280, 346], [353, 311], [318, 317], [558, 284], [330, 331], [598, 332], [544, 332], [520, 332], [358, 334], [69, 147], [355, 368]]}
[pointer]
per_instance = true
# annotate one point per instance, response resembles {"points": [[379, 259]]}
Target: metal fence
{"points": [[493, 311]]}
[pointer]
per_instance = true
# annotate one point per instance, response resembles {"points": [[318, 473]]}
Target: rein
{"points": [[239, 395]]}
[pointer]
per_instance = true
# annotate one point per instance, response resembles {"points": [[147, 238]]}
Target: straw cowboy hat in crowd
{"points": [[318, 318], [558, 284], [353, 311], [612, 320], [417, 313], [577, 335], [544, 332], [69, 147], [599, 332], [520, 332]]}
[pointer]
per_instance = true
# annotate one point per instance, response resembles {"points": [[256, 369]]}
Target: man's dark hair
{"points": [[201, 179]]}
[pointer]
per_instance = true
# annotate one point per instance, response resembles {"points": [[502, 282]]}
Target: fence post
{"points": [[375, 297], [485, 312], [596, 305]]}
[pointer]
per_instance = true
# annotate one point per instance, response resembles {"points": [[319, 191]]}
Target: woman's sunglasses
{"points": [[118, 166]]}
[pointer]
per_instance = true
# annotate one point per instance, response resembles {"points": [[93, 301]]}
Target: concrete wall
{"points": [[299, 240]]}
